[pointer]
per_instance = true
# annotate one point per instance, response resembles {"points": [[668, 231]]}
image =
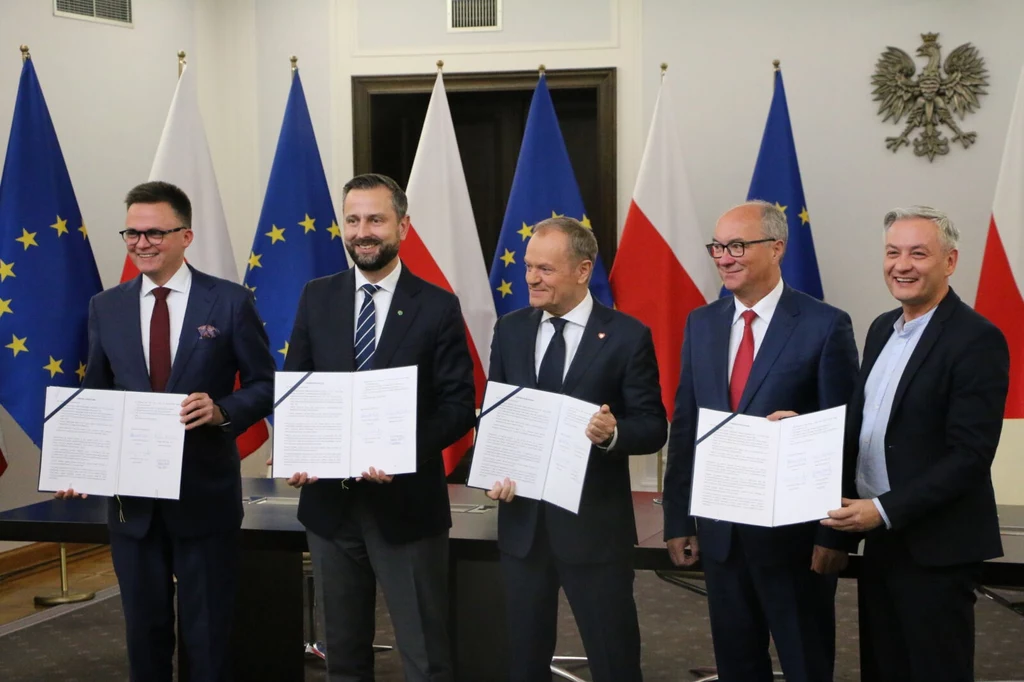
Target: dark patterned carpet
{"points": [[88, 644]]}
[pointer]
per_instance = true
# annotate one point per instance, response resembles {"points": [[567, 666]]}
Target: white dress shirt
{"points": [[765, 309], [381, 300], [180, 284], [573, 333]]}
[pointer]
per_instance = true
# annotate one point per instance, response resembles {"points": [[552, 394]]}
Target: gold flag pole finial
{"points": [[440, 64], [542, 69], [775, 64], [295, 63], [25, 56], [181, 62], [664, 69]]}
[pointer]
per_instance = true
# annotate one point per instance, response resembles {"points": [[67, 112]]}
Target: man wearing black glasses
{"points": [[768, 351], [174, 329]]}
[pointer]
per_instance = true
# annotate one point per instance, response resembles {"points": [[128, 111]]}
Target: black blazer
{"points": [[614, 365], [942, 434], [211, 494], [424, 327]]}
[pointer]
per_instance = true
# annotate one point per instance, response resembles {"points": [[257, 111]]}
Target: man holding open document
{"points": [[176, 330], [568, 343], [767, 351], [380, 527]]}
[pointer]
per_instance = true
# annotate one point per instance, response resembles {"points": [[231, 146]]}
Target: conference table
{"points": [[268, 637]]}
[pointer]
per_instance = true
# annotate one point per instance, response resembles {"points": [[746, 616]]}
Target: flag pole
{"points": [[661, 452], [181, 62], [65, 596], [295, 64]]}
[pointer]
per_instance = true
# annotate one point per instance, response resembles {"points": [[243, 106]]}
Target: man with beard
{"points": [[379, 527]]}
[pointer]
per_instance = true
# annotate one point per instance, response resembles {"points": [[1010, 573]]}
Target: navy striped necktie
{"points": [[366, 328]]}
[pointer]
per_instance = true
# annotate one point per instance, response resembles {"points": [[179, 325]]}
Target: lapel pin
{"points": [[601, 335], [400, 312]]}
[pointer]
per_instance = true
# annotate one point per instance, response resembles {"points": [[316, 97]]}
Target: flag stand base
{"points": [[63, 596]]}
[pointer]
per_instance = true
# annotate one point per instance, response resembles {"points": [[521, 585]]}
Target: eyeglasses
{"points": [[153, 235], [736, 249]]}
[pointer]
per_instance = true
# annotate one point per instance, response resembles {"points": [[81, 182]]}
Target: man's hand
{"points": [[198, 409], [299, 479], [826, 561], [781, 414], [503, 491], [375, 475], [69, 494], [684, 551], [856, 516], [602, 426]]}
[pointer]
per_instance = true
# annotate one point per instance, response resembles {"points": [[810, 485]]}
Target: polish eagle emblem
{"points": [[929, 99]]}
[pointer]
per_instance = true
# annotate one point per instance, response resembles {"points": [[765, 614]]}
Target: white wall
{"points": [[109, 88]]}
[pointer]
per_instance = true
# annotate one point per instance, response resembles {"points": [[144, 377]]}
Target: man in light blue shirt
{"points": [[923, 427]]}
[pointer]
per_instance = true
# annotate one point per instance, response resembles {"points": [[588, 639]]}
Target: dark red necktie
{"points": [[744, 361], [160, 341]]}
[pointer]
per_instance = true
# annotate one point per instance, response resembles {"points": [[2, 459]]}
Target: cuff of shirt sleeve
{"points": [[615, 438], [878, 506]]}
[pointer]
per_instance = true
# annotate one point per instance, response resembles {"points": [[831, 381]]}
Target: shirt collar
{"points": [[904, 328], [578, 315], [765, 308], [179, 281], [388, 284]]}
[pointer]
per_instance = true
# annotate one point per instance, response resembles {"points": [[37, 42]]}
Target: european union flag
{"points": [[543, 186], [298, 237], [777, 179], [47, 270]]}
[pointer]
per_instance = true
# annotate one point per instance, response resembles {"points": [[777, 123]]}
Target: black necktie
{"points": [[552, 367]]}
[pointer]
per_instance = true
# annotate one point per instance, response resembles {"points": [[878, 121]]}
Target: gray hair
{"points": [[949, 236], [582, 242], [773, 220]]}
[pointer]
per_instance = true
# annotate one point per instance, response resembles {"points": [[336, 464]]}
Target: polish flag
{"points": [[183, 159], [662, 270], [1002, 268], [443, 246]]}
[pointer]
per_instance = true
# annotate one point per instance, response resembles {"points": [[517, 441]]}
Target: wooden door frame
{"points": [[601, 80]]}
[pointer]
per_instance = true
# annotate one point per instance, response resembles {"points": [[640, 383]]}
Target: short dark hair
{"points": [[399, 201], [158, 192]]}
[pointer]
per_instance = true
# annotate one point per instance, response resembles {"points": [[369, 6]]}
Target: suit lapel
{"points": [[133, 330], [779, 330], [718, 343], [594, 340], [401, 314], [201, 297], [929, 336], [339, 327]]}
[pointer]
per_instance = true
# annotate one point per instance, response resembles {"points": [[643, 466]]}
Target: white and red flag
{"points": [[1002, 269], [183, 159], [443, 246], [662, 270]]}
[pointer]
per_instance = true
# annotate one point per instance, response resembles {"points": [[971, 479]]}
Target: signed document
{"points": [[535, 438], [112, 443], [339, 424], [750, 470]]}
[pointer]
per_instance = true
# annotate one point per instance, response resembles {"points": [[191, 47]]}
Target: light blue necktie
{"points": [[366, 341]]}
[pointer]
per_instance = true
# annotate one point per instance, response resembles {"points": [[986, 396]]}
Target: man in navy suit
{"points": [[767, 351], [383, 528], [921, 434], [174, 329], [567, 342]]}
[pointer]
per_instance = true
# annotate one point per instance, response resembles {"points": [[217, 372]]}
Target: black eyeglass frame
{"points": [[730, 247], [126, 235]]}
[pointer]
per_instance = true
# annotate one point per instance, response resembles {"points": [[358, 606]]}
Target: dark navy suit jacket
{"points": [[807, 362], [424, 328], [614, 365], [211, 496]]}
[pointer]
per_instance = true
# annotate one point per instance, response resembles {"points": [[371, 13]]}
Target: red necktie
{"points": [[160, 341], [744, 361]]}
